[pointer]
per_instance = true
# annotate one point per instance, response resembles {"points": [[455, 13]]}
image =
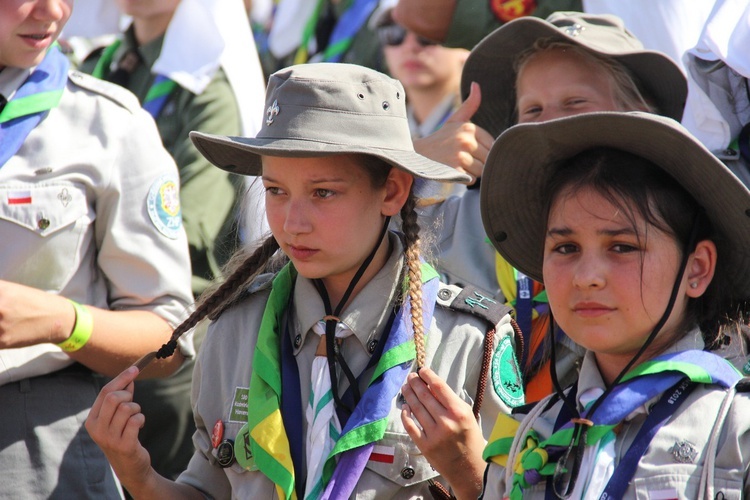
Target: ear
{"points": [[397, 187], [700, 269]]}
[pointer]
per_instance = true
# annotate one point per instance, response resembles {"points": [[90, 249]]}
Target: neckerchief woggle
{"points": [[41, 92], [265, 434], [537, 460], [348, 25], [157, 94]]}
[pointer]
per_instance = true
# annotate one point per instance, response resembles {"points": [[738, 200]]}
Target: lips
{"points": [[591, 309], [301, 252]]}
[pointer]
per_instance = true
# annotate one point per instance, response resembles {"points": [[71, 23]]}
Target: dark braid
{"points": [[410, 227], [216, 299]]}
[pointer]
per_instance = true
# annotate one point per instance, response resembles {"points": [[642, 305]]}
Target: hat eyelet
{"points": [[747, 212], [501, 236], [398, 95], [361, 96], [386, 105]]}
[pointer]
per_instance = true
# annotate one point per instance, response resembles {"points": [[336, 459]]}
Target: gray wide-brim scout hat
{"points": [[491, 63], [523, 159], [327, 109]]}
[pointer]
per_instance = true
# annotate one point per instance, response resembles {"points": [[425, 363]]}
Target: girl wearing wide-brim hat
{"points": [[297, 387], [639, 234]]}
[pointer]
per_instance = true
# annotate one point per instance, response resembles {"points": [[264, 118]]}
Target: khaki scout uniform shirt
{"points": [[209, 195], [659, 471], [222, 372], [89, 167]]}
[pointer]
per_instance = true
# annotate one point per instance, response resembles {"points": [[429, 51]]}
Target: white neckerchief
{"points": [[323, 426]]}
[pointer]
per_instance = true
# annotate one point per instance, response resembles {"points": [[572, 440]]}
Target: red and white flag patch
{"points": [[19, 198], [383, 454]]}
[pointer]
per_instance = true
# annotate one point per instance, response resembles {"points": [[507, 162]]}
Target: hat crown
{"points": [[602, 32], [337, 104]]}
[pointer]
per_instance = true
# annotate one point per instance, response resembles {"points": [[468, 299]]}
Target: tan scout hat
{"points": [[491, 63], [524, 158], [328, 109]]}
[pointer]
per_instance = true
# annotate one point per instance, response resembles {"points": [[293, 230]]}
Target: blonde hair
{"points": [[628, 94], [247, 264]]}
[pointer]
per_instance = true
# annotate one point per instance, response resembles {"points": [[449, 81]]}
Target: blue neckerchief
{"points": [[41, 92], [347, 26]]}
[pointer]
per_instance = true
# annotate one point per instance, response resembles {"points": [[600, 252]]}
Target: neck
{"points": [[424, 101], [148, 29], [336, 287], [611, 365]]}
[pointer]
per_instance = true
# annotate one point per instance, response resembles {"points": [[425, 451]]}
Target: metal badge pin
{"points": [[225, 453], [271, 112], [574, 30], [684, 452]]}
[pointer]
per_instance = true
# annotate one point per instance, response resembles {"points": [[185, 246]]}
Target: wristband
{"points": [[81, 330]]}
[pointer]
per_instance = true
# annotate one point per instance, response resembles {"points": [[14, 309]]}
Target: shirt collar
{"points": [[11, 79], [367, 314]]}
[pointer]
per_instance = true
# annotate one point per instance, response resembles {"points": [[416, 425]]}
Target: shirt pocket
{"points": [[44, 227], [683, 483], [397, 459]]}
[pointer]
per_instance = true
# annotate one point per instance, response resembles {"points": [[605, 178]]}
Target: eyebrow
{"points": [[564, 231], [321, 180]]}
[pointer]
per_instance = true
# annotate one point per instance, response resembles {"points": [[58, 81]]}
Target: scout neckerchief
{"points": [[538, 460], [263, 442], [347, 26], [41, 92], [157, 94]]}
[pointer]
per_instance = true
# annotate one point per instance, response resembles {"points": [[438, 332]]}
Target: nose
{"points": [[297, 220], [589, 273], [51, 10]]}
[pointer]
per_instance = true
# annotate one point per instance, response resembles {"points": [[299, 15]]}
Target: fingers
{"points": [[124, 381], [442, 393], [469, 106], [422, 405], [414, 430]]}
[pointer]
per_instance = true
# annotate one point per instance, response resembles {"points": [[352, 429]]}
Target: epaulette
{"points": [[472, 300], [115, 93], [259, 284]]}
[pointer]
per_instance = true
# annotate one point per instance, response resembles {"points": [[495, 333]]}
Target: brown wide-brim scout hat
{"points": [[524, 158], [327, 109], [491, 63]]}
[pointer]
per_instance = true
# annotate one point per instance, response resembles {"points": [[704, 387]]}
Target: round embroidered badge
{"points": [[164, 206], [506, 377]]}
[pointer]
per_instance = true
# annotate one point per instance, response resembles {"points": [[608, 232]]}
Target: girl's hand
{"points": [[114, 422], [443, 427]]}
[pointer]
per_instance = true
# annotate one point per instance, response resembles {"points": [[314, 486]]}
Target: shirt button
{"points": [[372, 345], [444, 294], [42, 223], [407, 472], [297, 341]]}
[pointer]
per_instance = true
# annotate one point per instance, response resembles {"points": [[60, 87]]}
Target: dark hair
{"points": [[640, 189]]}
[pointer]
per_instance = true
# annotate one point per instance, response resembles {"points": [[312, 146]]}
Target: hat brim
{"points": [[491, 65], [522, 160], [242, 155]]}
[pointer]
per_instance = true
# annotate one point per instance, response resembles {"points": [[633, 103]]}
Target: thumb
{"points": [[469, 106]]}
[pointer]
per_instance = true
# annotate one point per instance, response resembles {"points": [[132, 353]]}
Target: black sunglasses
{"points": [[394, 34]]}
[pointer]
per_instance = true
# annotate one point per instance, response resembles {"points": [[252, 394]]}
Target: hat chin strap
{"points": [[580, 430], [332, 317]]}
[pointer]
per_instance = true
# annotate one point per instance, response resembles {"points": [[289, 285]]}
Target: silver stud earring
{"points": [[694, 284]]}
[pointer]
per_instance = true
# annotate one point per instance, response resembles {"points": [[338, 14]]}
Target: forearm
{"points": [[157, 487]]}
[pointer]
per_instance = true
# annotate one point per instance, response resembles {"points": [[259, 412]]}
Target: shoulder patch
{"points": [[119, 95], [506, 376], [163, 205], [474, 301]]}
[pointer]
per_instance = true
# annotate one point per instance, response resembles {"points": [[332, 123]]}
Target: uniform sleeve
{"points": [[142, 249], [209, 194], [475, 19]]}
